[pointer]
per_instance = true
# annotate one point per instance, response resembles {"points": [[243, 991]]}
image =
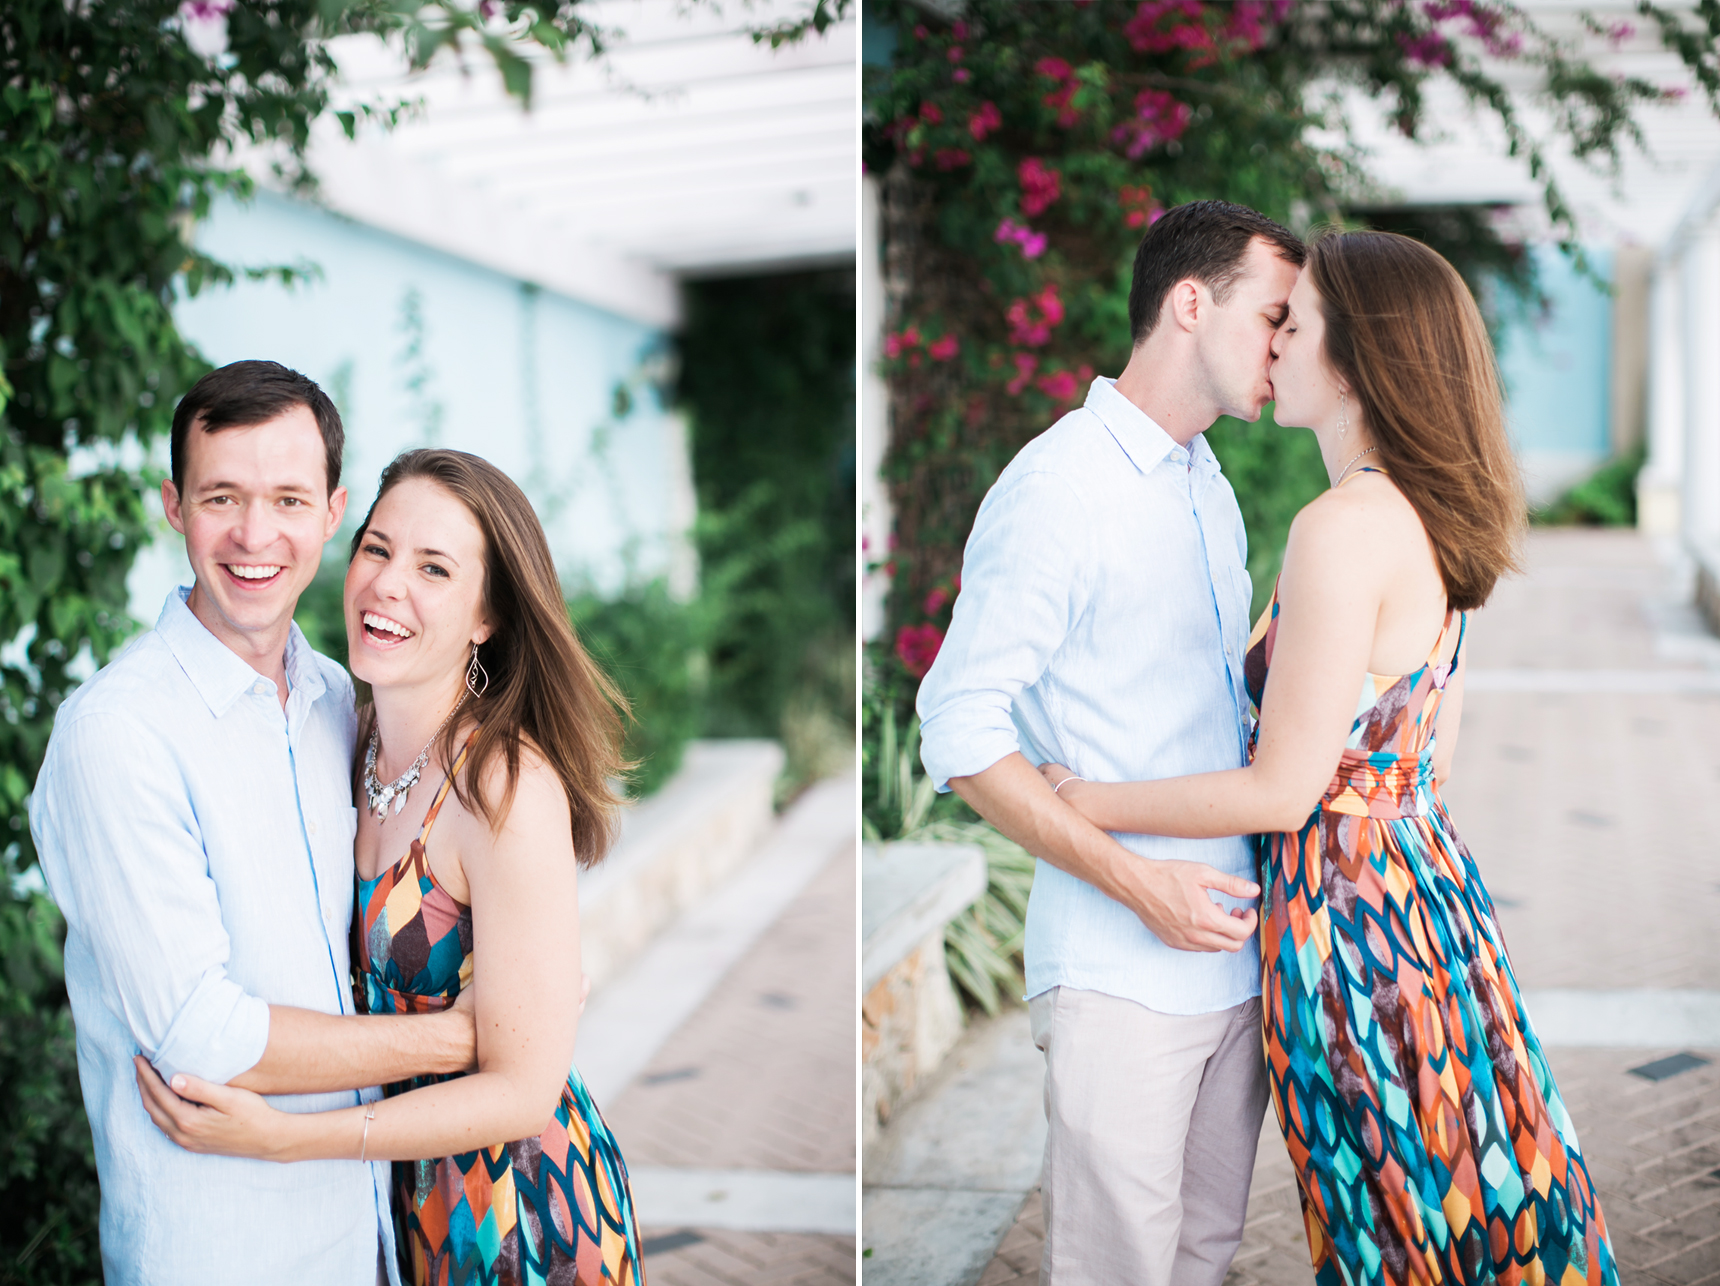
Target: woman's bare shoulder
{"points": [[1364, 524]]}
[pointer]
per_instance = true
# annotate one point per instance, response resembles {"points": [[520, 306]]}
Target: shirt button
{"points": [[258, 687], [312, 826]]}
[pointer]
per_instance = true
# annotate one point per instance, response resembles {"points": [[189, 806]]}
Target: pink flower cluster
{"points": [[917, 647], [1158, 119], [908, 341], [1028, 330], [984, 121], [1032, 243], [1062, 99], [1025, 365], [1163, 26], [1064, 386], [1039, 186], [1139, 208], [1148, 33], [1481, 20]]}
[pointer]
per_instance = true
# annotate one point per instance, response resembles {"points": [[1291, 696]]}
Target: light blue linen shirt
{"points": [[198, 840], [1101, 624]]}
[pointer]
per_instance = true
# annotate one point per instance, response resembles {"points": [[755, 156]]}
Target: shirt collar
{"points": [[1139, 435], [216, 671]]}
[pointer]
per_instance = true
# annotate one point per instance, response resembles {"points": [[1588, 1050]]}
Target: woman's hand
{"points": [[203, 1117]]}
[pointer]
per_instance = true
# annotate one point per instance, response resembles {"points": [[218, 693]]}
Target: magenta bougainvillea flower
{"points": [[942, 350], [984, 121], [1025, 365], [917, 647], [1030, 320], [1040, 186], [1032, 243], [1158, 118]]}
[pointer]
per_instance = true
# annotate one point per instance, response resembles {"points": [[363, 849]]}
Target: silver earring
{"points": [[1343, 415], [477, 677]]}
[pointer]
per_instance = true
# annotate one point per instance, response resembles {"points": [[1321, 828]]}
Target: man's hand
{"points": [[463, 1016], [1171, 899]]}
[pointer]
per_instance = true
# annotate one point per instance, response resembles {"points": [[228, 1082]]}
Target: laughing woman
{"points": [[455, 619]]}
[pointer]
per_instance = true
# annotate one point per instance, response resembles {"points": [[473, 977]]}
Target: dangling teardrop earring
{"points": [[1343, 414], [476, 672]]}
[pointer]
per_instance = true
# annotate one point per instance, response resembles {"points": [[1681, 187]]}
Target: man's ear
{"points": [[336, 511], [170, 506], [1188, 301]]}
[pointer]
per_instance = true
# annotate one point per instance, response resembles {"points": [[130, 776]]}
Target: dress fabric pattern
{"points": [[554, 1210], [1429, 1140]]}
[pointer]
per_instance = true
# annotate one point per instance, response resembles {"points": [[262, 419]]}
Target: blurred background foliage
{"points": [[1021, 150], [116, 136]]}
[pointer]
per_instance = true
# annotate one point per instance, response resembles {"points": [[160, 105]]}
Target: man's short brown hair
{"points": [[242, 394], [1205, 240]]}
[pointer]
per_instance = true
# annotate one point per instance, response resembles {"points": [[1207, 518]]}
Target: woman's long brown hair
{"points": [[1403, 330], [544, 690]]}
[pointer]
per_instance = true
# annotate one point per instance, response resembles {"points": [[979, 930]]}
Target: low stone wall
{"points": [[674, 847], [910, 1016]]}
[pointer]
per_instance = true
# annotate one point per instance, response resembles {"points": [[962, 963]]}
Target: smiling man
{"points": [[195, 822]]}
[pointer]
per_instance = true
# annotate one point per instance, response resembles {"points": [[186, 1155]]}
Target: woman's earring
{"points": [[477, 677], [1343, 424]]}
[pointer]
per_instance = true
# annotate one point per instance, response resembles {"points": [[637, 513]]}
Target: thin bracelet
{"points": [[1060, 785], [364, 1142]]}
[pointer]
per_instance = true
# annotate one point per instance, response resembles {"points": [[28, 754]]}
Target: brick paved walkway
{"points": [[762, 1077], [1591, 817]]}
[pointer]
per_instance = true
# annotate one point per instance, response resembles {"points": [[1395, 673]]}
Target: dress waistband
{"points": [[1381, 785]]}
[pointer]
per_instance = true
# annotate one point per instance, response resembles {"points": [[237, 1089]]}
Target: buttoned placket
{"points": [[293, 717], [1185, 457]]}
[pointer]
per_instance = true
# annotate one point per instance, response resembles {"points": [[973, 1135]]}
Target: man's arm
{"points": [[1169, 896], [124, 859], [310, 1052], [1026, 579]]}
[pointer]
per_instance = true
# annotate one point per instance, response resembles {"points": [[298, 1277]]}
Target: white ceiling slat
{"points": [[690, 149], [1466, 161]]}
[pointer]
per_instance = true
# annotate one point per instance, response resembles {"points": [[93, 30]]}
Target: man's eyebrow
{"points": [[292, 488]]}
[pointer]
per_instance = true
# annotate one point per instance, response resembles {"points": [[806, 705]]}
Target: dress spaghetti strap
{"points": [[442, 793]]}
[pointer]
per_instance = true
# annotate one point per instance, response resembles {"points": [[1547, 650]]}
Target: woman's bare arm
{"points": [[1335, 577]]}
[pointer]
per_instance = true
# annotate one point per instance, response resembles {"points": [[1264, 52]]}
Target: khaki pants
{"points": [[1154, 1122]]}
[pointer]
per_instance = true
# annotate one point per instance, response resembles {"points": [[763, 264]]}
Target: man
{"points": [[195, 822], [1101, 624]]}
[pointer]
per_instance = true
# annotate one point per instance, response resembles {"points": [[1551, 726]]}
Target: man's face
{"points": [[1236, 348], [255, 512]]}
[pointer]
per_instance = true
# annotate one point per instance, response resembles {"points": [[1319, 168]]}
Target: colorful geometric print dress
{"points": [[1429, 1140], [550, 1211]]}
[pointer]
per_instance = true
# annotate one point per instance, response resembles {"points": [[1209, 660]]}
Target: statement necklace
{"points": [[375, 793]]}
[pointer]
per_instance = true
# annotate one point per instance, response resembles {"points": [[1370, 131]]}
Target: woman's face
{"points": [[1305, 387], [415, 590]]}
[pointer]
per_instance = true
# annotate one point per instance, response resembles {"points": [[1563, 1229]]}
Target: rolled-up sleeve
{"points": [[1026, 579], [124, 859]]}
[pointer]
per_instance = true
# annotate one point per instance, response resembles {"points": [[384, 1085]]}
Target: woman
{"points": [[455, 619], [1429, 1139]]}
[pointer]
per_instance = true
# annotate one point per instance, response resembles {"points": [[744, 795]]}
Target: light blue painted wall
{"points": [[1558, 374], [524, 377]]}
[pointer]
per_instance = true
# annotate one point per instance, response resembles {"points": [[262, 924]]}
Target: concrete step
{"points": [[947, 1175], [674, 847]]}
